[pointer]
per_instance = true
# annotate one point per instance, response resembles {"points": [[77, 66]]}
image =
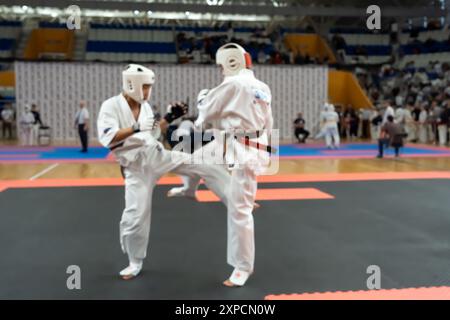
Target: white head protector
{"points": [[326, 107], [27, 108], [331, 107], [233, 58], [134, 77]]}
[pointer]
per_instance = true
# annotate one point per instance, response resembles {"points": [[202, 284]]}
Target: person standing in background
{"points": [[391, 134], [409, 124], [354, 124], [423, 124], [375, 127], [388, 111], [435, 113], [365, 117], [441, 123], [36, 114], [36, 125], [445, 121], [26, 121], [82, 123]]}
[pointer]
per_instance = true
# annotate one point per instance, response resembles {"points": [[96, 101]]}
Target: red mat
{"points": [[431, 293]]}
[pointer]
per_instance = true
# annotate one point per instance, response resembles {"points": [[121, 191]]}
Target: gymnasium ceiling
{"points": [[344, 11]]}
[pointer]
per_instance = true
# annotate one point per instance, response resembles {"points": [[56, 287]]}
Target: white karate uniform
{"points": [[145, 160], [26, 129], [400, 116], [388, 112], [410, 125], [442, 133], [329, 120], [241, 102], [374, 129], [185, 128], [423, 126]]}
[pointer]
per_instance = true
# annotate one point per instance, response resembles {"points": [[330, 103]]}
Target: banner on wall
{"points": [[57, 88]]}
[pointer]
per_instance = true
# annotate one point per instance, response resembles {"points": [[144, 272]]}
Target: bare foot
{"points": [[229, 284], [179, 192], [128, 277], [130, 272]]}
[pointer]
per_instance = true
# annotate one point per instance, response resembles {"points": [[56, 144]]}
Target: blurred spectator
{"points": [[340, 115], [298, 58], [7, 116], [36, 114], [423, 124], [365, 121], [391, 134], [230, 31], [299, 129], [387, 111], [338, 42], [276, 58], [443, 124], [345, 128], [307, 59], [410, 124], [354, 124], [376, 120], [261, 56], [36, 125], [82, 124], [26, 121]]}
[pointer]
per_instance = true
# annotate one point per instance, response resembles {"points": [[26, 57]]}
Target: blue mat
{"points": [[355, 150], [51, 153]]}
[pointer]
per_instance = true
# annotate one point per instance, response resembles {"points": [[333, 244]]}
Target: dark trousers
{"points": [[7, 126], [384, 143], [366, 129], [301, 132], [83, 137], [353, 129]]}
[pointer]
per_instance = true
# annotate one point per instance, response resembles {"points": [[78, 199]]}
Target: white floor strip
{"points": [[53, 166]]}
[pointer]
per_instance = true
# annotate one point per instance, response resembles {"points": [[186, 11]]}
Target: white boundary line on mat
{"points": [[53, 166]]}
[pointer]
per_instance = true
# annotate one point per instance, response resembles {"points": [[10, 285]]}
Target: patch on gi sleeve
{"points": [[260, 97]]}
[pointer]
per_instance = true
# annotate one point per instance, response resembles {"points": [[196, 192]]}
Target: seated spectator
{"points": [[276, 58], [299, 129], [261, 55], [338, 42], [307, 59], [298, 58]]}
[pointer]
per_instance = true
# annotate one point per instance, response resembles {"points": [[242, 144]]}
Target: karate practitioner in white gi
{"points": [[126, 125], [26, 122], [239, 106], [329, 126]]}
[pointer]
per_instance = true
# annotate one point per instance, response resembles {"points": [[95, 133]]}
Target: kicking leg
{"points": [[214, 174]]}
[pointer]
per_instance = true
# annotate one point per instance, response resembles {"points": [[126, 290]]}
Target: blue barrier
{"points": [[131, 47], [6, 44]]}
